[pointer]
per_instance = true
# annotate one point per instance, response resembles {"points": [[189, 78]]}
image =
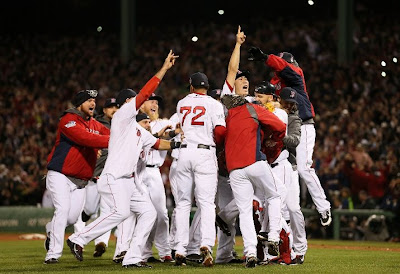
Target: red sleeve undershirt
{"points": [[146, 91], [219, 134], [157, 144]]}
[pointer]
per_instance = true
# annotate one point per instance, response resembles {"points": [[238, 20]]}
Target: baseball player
{"points": [[202, 120], [246, 125], [288, 73], [118, 184], [153, 180], [71, 163], [92, 201], [291, 141]]}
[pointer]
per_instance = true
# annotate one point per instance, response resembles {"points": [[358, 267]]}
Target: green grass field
{"points": [[23, 256]]}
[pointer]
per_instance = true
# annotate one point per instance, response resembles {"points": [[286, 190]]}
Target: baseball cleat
{"points": [[99, 249], [251, 261], [262, 236], [119, 258], [152, 260], [167, 259], [76, 250], [138, 265], [195, 258], [325, 218], [180, 260], [207, 258], [51, 261], [273, 248]]}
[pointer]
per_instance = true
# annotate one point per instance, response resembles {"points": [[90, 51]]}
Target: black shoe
{"points": [[273, 248], [99, 249], [85, 217], [236, 261], [299, 259], [222, 225], [173, 253], [251, 261], [195, 258], [76, 250], [180, 260], [138, 265], [152, 260], [51, 261], [119, 258], [325, 218], [47, 242]]}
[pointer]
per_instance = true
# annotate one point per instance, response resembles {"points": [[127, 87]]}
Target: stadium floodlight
{"points": [[195, 38], [99, 28], [383, 74], [310, 2], [221, 12], [394, 60], [383, 64]]}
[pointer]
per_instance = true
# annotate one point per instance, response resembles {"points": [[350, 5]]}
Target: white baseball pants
{"points": [[304, 159]]}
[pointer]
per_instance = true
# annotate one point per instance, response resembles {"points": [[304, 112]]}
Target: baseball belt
{"points": [[198, 146]]}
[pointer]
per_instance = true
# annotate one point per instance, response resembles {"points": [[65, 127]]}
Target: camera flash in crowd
{"points": [[221, 12], [383, 74], [195, 38], [383, 64], [394, 60], [310, 2], [99, 28]]}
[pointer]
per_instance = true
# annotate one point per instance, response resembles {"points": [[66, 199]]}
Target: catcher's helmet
{"points": [[265, 88]]}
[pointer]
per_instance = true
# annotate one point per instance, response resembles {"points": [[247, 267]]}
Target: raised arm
{"points": [[153, 83], [235, 58]]}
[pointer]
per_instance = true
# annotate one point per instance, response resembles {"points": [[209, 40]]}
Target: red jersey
{"points": [[78, 139], [244, 135]]}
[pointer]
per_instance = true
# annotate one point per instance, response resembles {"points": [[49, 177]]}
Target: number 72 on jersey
{"points": [[198, 111]]}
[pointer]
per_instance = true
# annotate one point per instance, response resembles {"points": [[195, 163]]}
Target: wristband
{"points": [[175, 145], [172, 133]]}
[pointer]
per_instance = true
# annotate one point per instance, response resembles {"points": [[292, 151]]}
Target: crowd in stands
{"points": [[357, 109]]}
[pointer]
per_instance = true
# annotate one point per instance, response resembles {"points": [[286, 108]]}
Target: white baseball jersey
{"points": [[174, 120], [199, 114], [127, 139], [157, 157]]}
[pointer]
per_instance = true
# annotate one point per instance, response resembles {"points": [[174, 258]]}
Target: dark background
{"points": [[81, 16]]}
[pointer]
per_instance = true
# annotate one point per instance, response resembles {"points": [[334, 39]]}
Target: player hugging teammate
{"points": [[264, 145]]}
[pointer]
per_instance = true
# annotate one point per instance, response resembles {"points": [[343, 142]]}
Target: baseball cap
{"points": [[214, 93], [199, 80], [110, 102], [265, 88], [141, 116], [288, 57], [83, 95], [153, 96], [288, 94], [244, 73], [123, 95]]}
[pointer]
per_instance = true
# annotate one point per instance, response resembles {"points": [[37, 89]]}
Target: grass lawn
{"points": [[24, 256]]}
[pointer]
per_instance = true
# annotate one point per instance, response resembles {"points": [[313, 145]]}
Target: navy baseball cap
{"points": [[199, 80], [123, 95], [141, 116], [265, 88], [288, 94], [110, 102], [156, 97], [287, 56], [244, 73], [214, 93]]}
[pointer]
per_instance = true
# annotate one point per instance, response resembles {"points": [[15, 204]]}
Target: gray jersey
{"points": [[292, 138]]}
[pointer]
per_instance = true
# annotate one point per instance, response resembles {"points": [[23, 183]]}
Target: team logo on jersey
{"points": [[292, 94], [70, 124]]}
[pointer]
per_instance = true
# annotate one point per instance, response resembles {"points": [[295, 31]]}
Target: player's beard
{"points": [[153, 116]]}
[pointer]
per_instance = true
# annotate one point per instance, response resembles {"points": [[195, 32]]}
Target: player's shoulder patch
{"points": [[70, 124]]}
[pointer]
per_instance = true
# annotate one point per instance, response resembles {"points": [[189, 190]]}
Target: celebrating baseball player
{"points": [[117, 185], [202, 120], [70, 166], [289, 74]]}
